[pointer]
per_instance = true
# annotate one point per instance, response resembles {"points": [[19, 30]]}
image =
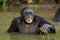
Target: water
{"points": [[18, 36], [7, 17]]}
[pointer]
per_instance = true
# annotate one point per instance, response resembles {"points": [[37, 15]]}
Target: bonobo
{"points": [[29, 23]]}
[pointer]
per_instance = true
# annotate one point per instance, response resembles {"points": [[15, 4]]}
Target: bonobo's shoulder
{"points": [[42, 20], [17, 19], [38, 17]]}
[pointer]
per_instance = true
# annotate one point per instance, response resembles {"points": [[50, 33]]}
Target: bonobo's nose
{"points": [[28, 18]]}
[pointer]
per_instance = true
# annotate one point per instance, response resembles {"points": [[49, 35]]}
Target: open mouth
{"points": [[28, 19]]}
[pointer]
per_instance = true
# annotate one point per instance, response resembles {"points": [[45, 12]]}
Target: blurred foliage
{"points": [[6, 4], [39, 1], [3, 4]]}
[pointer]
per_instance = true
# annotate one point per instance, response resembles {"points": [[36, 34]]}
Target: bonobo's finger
{"points": [[43, 31], [47, 28]]}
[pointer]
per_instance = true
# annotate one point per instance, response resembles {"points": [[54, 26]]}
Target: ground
{"points": [[7, 17]]}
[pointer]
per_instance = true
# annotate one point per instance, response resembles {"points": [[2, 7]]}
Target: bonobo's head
{"points": [[28, 14]]}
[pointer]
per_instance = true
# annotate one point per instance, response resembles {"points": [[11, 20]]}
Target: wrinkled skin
{"points": [[29, 23]]}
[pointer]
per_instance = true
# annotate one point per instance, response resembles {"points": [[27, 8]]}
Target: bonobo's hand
{"points": [[46, 29]]}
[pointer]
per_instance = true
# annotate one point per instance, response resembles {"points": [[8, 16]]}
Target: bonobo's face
{"points": [[28, 15], [28, 19]]}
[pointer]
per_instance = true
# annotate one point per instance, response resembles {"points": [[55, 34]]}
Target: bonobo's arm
{"points": [[42, 21], [14, 26]]}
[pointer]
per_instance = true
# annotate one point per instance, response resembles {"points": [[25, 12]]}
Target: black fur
{"points": [[19, 25]]}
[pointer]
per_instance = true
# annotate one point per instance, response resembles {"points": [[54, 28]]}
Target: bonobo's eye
{"points": [[28, 13]]}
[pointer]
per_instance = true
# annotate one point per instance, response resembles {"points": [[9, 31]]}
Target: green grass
{"points": [[7, 17]]}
